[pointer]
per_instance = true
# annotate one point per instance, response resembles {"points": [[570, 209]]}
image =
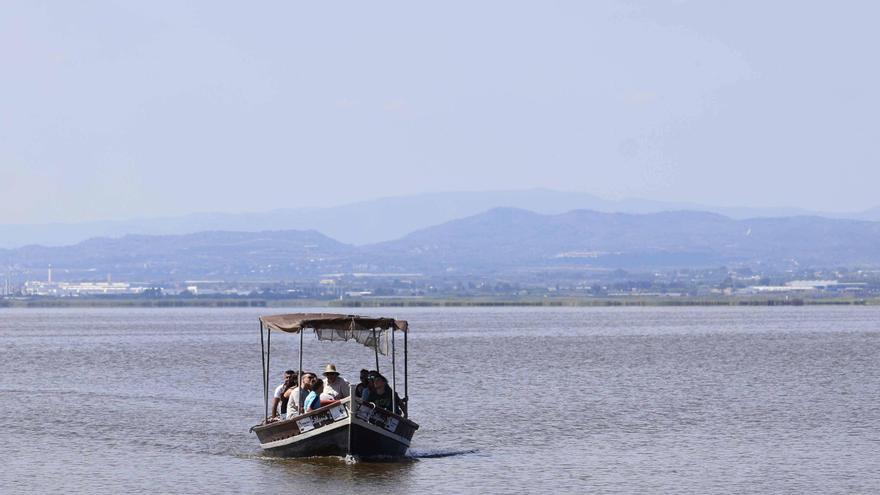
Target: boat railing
{"points": [[371, 413], [321, 411], [343, 410], [374, 409]]}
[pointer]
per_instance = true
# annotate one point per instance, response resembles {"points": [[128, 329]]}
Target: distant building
{"points": [[811, 284], [72, 289]]}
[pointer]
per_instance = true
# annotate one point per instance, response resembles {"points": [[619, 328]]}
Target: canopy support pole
{"points": [[393, 375], [405, 379], [302, 397], [265, 377], [376, 349], [268, 352]]}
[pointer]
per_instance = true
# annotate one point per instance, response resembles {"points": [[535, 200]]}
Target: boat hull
{"points": [[339, 431]]}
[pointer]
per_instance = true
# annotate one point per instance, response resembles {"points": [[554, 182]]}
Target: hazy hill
{"points": [[213, 255], [501, 240], [507, 237], [371, 221]]}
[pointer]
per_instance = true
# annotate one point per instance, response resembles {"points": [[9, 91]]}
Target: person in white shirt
{"points": [[335, 387], [279, 399], [296, 396]]}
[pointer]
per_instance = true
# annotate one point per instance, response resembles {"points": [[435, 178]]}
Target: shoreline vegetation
{"points": [[209, 302]]}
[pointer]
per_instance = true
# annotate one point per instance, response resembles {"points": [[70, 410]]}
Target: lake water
{"points": [[510, 400]]}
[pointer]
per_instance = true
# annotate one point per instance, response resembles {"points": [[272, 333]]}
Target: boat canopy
{"points": [[365, 330]]}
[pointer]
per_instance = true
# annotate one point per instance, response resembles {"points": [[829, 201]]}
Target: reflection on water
{"points": [[609, 400], [339, 469]]}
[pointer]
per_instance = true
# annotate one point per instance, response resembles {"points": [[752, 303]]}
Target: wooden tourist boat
{"points": [[350, 426]]}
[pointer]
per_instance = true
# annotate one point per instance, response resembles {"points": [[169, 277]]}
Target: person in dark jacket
{"points": [[380, 394], [363, 385]]}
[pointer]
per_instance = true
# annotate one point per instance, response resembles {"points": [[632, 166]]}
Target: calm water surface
{"points": [[522, 400]]}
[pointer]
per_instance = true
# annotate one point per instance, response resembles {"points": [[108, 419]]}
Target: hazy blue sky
{"points": [[121, 109]]}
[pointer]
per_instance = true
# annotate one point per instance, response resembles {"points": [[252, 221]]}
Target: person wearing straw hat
{"points": [[335, 387]]}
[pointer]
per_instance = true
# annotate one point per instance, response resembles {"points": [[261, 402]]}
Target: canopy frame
{"points": [[352, 327]]}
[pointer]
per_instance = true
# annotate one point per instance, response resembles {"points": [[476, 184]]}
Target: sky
{"points": [[113, 110]]}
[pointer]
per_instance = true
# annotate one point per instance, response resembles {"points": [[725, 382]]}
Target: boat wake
{"points": [[433, 453], [411, 455]]}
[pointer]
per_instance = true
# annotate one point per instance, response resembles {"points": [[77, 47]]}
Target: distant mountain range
{"points": [[508, 237], [498, 241], [378, 220]]}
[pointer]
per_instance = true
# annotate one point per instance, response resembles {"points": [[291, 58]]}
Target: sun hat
{"points": [[330, 368]]}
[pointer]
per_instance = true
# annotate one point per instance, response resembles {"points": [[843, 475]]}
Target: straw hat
{"points": [[330, 368]]}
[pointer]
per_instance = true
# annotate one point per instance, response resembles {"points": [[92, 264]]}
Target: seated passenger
{"points": [[335, 387], [365, 392], [298, 394], [313, 400], [279, 398], [363, 385], [380, 394]]}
